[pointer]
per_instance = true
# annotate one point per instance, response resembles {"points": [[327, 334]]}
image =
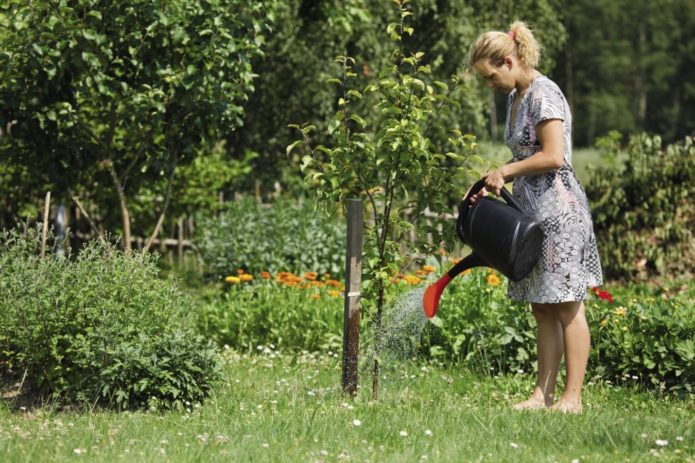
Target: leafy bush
{"points": [[647, 337], [644, 214], [99, 329], [481, 327], [284, 236], [266, 312]]}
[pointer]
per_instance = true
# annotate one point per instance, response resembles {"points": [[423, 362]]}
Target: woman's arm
{"points": [[550, 157]]}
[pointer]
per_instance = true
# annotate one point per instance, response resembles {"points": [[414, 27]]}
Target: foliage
{"points": [[643, 212], [282, 236], [100, 329], [646, 339], [629, 66], [120, 93], [304, 317], [479, 326]]}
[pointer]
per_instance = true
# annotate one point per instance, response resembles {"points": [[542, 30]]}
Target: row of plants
{"points": [[639, 335], [100, 328]]}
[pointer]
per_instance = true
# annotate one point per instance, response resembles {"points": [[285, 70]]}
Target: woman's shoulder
{"points": [[545, 84]]}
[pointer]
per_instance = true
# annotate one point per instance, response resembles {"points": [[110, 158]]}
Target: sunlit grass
{"points": [[273, 407]]}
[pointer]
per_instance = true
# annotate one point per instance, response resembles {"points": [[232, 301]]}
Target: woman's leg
{"points": [[577, 342], [549, 346]]}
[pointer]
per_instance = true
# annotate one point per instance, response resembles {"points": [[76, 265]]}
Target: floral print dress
{"points": [[569, 261]]}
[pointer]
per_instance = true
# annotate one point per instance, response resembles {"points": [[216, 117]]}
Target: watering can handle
{"points": [[477, 186]]}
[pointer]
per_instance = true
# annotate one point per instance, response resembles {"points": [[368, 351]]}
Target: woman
{"points": [[538, 131]]}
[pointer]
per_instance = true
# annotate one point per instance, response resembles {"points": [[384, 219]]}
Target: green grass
{"points": [[273, 407]]}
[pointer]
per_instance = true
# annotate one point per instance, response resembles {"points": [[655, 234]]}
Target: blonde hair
{"points": [[495, 45]]}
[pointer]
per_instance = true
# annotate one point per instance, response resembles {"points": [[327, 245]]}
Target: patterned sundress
{"points": [[569, 261]]}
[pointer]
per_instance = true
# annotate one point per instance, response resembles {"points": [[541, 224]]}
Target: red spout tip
{"points": [[430, 301]]}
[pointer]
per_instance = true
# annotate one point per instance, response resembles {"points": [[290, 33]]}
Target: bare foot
{"points": [[531, 404], [565, 406]]}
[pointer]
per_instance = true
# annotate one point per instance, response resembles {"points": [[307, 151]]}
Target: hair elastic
{"points": [[512, 34]]}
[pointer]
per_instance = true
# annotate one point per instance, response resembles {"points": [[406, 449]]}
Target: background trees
{"points": [[99, 98], [111, 103]]}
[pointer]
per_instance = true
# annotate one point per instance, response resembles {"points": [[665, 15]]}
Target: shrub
{"points": [[99, 329], [284, 236], [644, 215]]}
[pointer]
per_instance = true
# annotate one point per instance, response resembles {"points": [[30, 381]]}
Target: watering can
{"points": [[501, 235]]}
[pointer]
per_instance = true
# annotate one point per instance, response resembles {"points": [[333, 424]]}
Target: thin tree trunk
{"points": [[79, 205], [123, 203], [160, 220]]}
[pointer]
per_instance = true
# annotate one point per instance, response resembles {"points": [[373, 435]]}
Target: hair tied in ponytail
{"points": [[512, 34]]}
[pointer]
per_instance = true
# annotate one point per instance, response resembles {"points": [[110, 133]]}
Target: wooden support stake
{"points": [[353, 278], [44, 235]]}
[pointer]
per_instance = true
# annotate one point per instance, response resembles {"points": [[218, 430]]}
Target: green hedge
{"points": [[644, 211], [100, 329]]}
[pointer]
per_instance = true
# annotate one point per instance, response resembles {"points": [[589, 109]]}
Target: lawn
{"points": [[277, 407]]}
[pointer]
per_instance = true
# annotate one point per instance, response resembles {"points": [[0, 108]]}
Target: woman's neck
{"points": [[524, 80]]}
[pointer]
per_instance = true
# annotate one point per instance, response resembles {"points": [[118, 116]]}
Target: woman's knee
{"points": [[542, 312], [568, 312]]}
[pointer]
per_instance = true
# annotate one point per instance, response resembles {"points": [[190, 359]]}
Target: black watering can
{"points": [[501, 235]]}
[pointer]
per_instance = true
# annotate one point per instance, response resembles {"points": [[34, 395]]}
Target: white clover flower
{"points": [[661, 442], [356, 423], [513, 445], [428, 432], [404, 433]]}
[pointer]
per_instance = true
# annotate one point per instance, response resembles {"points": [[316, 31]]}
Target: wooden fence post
{"points": [[353, 278]]}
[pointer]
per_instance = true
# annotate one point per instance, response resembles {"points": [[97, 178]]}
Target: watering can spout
{"points": [[430, 301]]}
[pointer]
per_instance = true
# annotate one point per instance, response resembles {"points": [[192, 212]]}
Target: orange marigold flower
{"points": [[493, 279], [334, 283], [334, 293], [232, 280], [245, 277], [240, 271], [265, 275], [421, 273], [310, 276], [316, 296], [412, 280], [317, 284], [428, 268], [442, 252]]}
